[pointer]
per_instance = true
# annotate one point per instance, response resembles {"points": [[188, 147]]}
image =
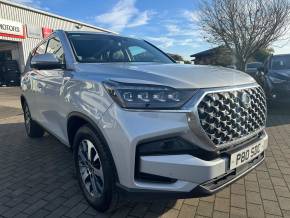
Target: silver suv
{"points": [[140, 125]]}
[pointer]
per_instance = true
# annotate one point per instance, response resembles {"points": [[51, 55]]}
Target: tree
{"points": [[176, 57], [262, 54], [223, 56], [187, 62], [244, 26]]}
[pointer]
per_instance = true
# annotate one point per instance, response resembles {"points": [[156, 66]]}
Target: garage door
{"points": [[9, 64]]}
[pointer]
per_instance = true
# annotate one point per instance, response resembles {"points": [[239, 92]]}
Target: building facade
{"points": [[22, 28], [220, 56]]}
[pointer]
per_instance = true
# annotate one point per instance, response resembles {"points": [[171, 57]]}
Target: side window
{"points": [[140, 54], [118, 56], [41, 49], [54, 47], [135, 50]]}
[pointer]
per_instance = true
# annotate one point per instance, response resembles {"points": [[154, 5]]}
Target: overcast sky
{"points": [[169, 24]]}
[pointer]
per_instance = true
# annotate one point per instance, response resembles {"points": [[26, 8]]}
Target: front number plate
{"points": [[243, 156]]}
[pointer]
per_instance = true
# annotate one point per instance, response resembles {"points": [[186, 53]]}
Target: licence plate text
{"points": [[240, 157]]}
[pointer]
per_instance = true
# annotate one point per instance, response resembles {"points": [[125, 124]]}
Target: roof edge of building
{"points": [[205, 51], [54, 15]]}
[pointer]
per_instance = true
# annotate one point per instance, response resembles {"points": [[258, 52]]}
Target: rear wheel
{"points": [[94, 170], [33, 130]]}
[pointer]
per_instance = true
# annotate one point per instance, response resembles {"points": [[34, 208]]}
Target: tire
{"points": [[33, 130], [94, 170]]}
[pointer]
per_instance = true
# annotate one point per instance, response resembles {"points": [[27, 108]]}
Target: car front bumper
{"points": [[185, 174], [207, 188]]}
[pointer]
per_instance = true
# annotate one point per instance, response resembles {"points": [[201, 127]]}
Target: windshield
{"points": [[281, 62], [97, 48]]}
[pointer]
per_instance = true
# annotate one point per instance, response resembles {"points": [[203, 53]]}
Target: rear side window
{"points": [[54, 47]]}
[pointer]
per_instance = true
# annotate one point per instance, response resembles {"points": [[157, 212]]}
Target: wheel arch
{"points": [[23, 101], [76, 120]]}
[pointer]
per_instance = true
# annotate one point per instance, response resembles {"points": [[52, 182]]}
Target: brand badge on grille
{"points": [[246, 100]]}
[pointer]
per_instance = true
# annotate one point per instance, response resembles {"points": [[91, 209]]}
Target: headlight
{"points": [[276, 80], [142, 96]]}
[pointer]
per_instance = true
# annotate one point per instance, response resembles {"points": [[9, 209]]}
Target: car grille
{"points": [[229, 116]]}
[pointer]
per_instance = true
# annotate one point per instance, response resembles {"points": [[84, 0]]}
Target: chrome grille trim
{"points": [[225, 120]]}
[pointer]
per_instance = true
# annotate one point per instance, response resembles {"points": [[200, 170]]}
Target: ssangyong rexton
{"points": [[138, 123]]}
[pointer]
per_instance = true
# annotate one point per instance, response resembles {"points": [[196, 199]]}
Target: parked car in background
{"points": [[274, 77], [138, 123], [231, 67], [9, 73], [252, 68]]}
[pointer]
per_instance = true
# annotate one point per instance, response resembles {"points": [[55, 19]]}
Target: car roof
{"points": [[91, 32], [100, 33], [281, 55]]}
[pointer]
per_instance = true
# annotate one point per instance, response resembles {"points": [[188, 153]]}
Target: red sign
{"points": [[46, 31]]}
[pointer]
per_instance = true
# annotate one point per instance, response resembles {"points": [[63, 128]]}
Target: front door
{"points": [[49, 97]]}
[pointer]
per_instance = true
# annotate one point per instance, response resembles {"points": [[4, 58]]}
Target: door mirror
{"points": [[260, 74], [45, 61]]}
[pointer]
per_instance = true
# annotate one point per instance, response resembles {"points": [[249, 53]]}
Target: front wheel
{"points": [[33, 130], [94, 170]]}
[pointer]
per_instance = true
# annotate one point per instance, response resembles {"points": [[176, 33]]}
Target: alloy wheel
{"points": [[90, 168]]}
